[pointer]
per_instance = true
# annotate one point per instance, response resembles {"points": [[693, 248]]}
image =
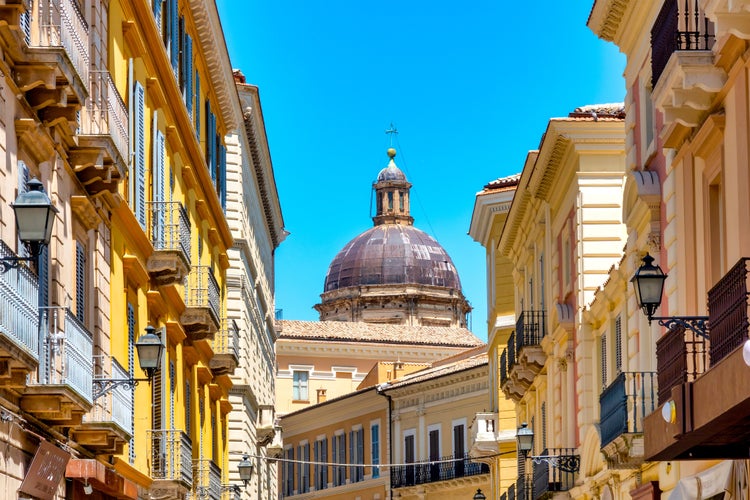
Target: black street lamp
{"points": [[245, 468], [35, 216], [648, 282], [150, 349], [525, 437], [479, 495]]}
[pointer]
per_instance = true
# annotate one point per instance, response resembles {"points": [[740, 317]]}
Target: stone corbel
{"points": [[648, 188]]}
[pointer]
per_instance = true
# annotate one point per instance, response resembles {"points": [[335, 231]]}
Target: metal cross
{"points": [[391, 131]]}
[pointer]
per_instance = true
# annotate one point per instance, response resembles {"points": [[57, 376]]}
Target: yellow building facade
{"points": [[123, 112], [488, 443]]}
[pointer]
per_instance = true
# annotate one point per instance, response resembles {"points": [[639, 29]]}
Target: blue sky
{"points": [[469, 86]]}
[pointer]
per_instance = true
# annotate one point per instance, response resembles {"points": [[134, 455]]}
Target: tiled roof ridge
{"points": [[503, 182], [597, 111]]}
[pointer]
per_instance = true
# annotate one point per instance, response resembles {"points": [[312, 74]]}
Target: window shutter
{"points": [[23, 186], [618, 344], [603, 355], [174, 52], [188, 409], [324, 456], [189, 74], [223, 175], [197, 106], [140, 154], [80, 282], [131, 370], [544, 425], [44, 276], [352, 456], [182, 56], [157, 13], [172, 382], [375, 449], [360, 453]]}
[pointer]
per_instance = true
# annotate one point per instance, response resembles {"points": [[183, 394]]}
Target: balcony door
{"points": [[459, 448], [434, 444], [409, 458]]}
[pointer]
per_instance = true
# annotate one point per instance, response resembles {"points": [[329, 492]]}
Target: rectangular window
{"points": [[303, 467], [433, 445], [409, 458], [356, 454], [375, 449], [288, 472], [339, 457], [321, 456], [299, 386], [459, 448]]}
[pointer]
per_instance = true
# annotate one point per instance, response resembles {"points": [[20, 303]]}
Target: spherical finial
{"points": [[392, 152]]}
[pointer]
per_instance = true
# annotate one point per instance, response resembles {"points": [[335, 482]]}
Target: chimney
{"points": [[321, 395]]}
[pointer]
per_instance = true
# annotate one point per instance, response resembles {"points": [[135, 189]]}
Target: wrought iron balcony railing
{"points": [[170, 227], [444, 469], [552, 474], [530, 328], [172, 456], [511, 350], [19, 305], [202, 290], [60, 23], [680, 25], [106, 113], [227, 341], [728, 312], [625, 403], [207, 480], [504, 367], [68, 359], [681, 356], [116, 405]]}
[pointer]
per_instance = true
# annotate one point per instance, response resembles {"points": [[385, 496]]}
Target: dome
{"points": [[391, 173], [392, 254]]}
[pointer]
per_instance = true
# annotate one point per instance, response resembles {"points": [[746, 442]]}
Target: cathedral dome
{"points": [[390, 254]]}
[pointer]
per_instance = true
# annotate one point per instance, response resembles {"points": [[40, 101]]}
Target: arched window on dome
{"points": [[390, 200]]}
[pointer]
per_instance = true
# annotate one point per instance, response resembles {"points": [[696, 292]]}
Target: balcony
{"points": [[266, 427], [207, 480], [19, 322], [684, 77], [226, 348], [446, 468], [705, 413], [623, 406], [171, 453], [60, 392], [106, 428], [201, 316], [100, 157], [553, 474], [524, 356], [484, 436], [170, 235], [275, 448], [730, 16]]}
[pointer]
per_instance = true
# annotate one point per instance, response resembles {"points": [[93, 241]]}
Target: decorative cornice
{"points": [[211, 35], [606, 17]]}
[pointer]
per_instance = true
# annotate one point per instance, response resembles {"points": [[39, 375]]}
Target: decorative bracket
{"points": [[696, 324], [104, 385], [566, 463]]}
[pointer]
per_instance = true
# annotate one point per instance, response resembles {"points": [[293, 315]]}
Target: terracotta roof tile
{"points": [[441, 370], [343, 331], [503, 182]]}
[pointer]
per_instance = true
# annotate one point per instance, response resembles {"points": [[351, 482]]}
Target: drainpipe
{"points": [[381, 390]]}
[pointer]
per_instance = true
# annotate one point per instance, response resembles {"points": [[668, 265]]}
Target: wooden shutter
{"points": [[222, 182], [375, 449], [23, 186], [188, 409], [140, 153], [603, 359], [182, 77], [618, 344], [189, 74], [174, 48], [360, 453], [324, 459], [172, 383], [197, 105], [131, 371], [80, 311], [157, 13]]}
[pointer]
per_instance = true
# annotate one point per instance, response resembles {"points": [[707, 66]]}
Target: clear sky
{"points": [[470, 87]]}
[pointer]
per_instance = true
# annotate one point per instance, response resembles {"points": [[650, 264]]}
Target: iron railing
{"points": [[115, 405], [511, 350], [680, 25], [19, 305], [444, 469], [530, 328], [681, 356], [69, 353], [624, 404], [61, 24], [523, 486], [227, 340], [106, 113], [170, 227], [548, 475], [202, 290], [504, 367], [172, 455], [207, 480], [728, 312]]}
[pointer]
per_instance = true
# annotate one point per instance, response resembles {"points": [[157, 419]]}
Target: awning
{"points": [[728, 478]]}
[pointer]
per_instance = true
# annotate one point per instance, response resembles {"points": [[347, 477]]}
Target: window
{"points": [[339, 456], [288, 472], [299, 386], [459, 447], [375, 449], [357, 454], [390, 200], [321, 457], [433, 442], [303, 467], [409, 458]]}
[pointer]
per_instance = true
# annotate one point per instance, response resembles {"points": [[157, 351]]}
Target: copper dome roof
{"points": [[392, 254]]}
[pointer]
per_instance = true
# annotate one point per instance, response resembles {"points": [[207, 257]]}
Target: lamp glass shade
{"points": [[35, 214], [525, 437], [149, 348], [479, 495], [648, 282], [245, 468]]}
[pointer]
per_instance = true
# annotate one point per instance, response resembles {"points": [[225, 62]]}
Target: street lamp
{"points": [[566, 463], [479, 495], [648, 282], [35, 216], [245, 468], [150, 348]]}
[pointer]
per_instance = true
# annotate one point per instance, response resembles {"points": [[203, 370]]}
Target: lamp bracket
{"points": [[696, 324], [566, 463], [9, 263], [104, 385], [234, 488]]}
